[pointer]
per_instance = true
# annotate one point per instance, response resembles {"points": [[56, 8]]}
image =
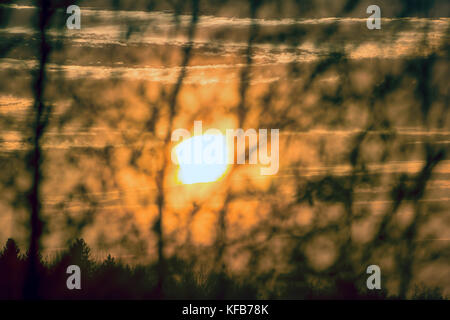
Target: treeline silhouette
{"points": [[112, 279]]}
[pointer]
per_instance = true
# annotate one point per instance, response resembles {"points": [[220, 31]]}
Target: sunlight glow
{"points": [[202, 158]]}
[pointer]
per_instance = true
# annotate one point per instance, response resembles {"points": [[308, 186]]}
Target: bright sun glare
{"points": [[202, 158]]}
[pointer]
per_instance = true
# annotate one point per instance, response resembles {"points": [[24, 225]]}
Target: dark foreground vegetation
{"points": [[112, 279]]}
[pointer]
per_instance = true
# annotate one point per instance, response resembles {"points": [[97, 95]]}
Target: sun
{"points": [[202, 158]]}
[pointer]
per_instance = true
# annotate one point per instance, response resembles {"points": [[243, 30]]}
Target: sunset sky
{"points": [[130, 76]]}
